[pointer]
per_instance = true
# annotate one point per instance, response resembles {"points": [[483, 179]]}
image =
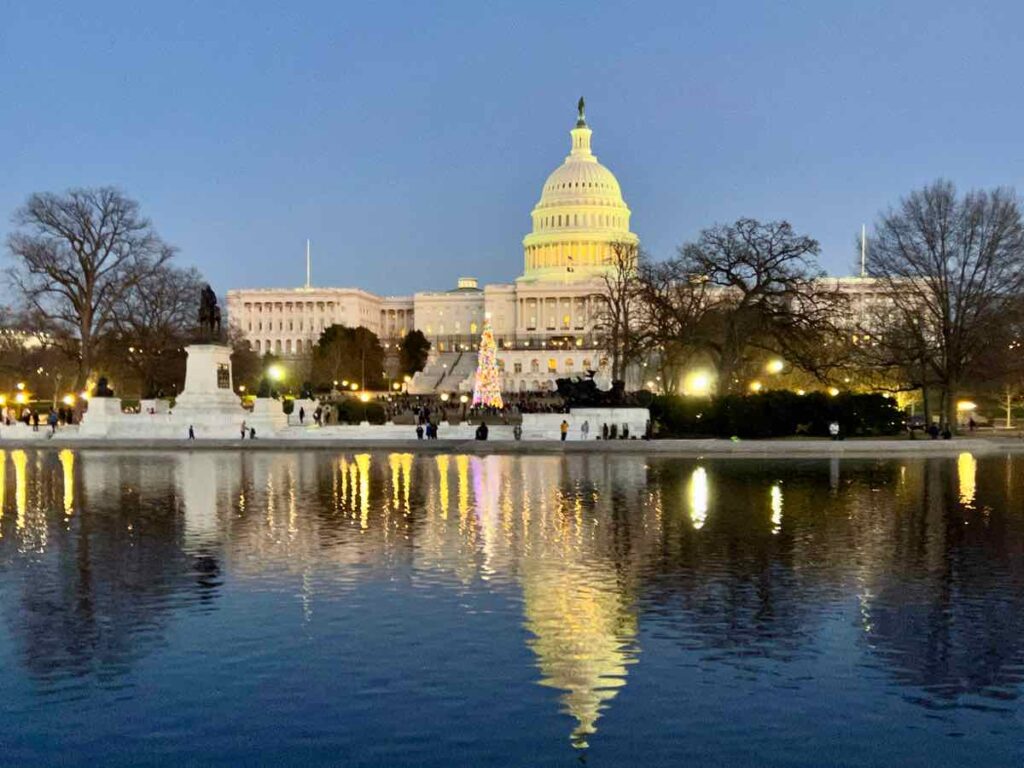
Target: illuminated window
{"points": [[472, 328], [552, 365]]}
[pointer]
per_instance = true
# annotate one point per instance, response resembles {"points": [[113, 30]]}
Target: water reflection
{"points": [[739, 564]]}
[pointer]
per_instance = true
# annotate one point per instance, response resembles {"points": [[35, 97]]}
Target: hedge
{"points": [[776, 413], [352, 411]]}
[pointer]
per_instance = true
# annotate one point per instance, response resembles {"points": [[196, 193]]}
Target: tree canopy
{"points": [[413, 352], [348, 354], [77, 256]]}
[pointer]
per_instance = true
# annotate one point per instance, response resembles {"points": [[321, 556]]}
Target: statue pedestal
{"points": [[268, 416], [103, 414], [208, 402], [208, 385]]}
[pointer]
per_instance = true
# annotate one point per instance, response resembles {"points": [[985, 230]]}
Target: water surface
{"points": [[375, 609]]}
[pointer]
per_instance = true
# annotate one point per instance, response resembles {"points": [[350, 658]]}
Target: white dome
{"points": [[578, 218], [577, 182]]}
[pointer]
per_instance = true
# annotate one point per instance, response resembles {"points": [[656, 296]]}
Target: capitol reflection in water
{"points": [[604, 566]]}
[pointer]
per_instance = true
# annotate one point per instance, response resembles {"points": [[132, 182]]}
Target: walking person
{"points": [[35, 421], [302, 416], [52, 421], [585, 430], [517, 432], [564, 429], [243, 430], [419, 431], [191, 433]]}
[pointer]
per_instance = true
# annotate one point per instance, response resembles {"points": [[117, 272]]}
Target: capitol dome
{"points": [[580, 215]]}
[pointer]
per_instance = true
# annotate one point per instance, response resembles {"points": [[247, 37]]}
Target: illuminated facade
{"points": [[545, 323]]}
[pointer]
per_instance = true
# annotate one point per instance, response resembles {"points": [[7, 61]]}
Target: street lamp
{"points": [[276, 372]]}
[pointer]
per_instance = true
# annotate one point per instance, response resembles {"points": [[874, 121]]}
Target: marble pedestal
{"points": [[102, 417]]}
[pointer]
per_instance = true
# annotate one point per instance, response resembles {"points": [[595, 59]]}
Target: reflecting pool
{"points": [[385, 609]]}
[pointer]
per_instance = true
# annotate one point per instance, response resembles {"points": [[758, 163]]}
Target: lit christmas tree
{"points": [[487, 383]]}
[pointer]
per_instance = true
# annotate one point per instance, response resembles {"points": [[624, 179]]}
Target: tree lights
{"points": [[487, 382]]}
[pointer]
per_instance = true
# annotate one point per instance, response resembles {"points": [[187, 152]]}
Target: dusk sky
{"points": [[409, 141]]}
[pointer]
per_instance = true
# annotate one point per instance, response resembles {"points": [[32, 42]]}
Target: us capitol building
{"points": [[544, 323]]}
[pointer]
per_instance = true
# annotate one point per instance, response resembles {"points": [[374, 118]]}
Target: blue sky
{"points": [[409, 141]]}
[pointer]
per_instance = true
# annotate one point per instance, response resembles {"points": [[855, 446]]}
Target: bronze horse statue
{"points": [[209, 314]]}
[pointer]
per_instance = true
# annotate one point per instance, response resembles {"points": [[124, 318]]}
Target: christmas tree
{"points": [[487, 383]]}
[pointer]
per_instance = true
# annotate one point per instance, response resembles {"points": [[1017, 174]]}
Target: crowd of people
{"points": [[30, 417], [413, 407]]}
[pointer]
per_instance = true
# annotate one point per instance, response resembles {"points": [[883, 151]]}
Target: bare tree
{"points": [[151, 324], [76, 256], [618, 315], [953, 268], [764, 293], [671, 304]]}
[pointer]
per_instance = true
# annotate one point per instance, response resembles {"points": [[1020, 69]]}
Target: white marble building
{"points": [[545, 322]]}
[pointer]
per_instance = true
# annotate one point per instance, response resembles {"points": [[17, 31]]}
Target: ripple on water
{"points": [[437, 610]]}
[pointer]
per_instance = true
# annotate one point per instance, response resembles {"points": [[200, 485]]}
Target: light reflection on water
{"points": [[415, 610]]}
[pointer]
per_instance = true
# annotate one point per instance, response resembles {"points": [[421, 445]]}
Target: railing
{"points": [[546, 340]]}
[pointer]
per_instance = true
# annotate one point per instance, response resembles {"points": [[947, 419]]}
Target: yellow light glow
{"points": [[21, 398], [67, 463], [276, 372], [364, 397], [84, 394], [463, 399], [698, 497], [407, 379], [697, 383], [68, 399], [756, 386], [353, 386], [344, 383], [776, 501], [21, 385], [801, 392], [833, 391], [3, 400], [444, 397], [775, 366], [396, 386], [967, 475], [966, 405]]}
